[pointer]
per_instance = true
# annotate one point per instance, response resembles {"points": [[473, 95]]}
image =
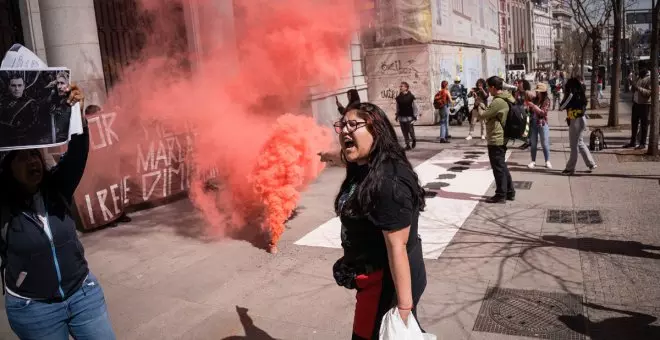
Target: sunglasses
{"points": [[350, 125]]}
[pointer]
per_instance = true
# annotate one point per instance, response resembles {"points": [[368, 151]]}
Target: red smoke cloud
{"points": [[250, 124]]}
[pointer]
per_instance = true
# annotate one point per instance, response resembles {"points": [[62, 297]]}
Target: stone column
{"points": [[31, 22], [210, 27], [71, 40]]}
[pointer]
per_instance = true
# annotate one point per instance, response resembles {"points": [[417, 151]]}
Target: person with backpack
{"points": [[495, 117], [480, 101], [441, 103], [538, 109], [49, 291], [575, 104]]}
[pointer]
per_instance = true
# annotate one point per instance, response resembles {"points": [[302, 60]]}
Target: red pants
{"points": [[375, 297]]}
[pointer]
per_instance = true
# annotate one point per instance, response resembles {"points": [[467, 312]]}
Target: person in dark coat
{"points": [[49, 291]]}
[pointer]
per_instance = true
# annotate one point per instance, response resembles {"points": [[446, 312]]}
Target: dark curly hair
{"points": [[575, 87], [385, 151]]}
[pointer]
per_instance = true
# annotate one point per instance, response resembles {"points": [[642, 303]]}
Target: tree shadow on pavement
{"points": [[595, 245], [252, 332], [583, 174], [498, 241], [632, 326]]}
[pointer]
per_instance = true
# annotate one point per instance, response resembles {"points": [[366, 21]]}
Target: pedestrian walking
{"points": [[539, 126], [49, 291], [406, 115], [379, 204], [495, 117], [480, 101], [575, 104], [441, 101], [640, 110]]}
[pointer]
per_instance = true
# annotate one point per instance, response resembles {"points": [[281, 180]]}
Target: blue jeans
{"points": [[444, 122], [83, 315], [534, 132]]}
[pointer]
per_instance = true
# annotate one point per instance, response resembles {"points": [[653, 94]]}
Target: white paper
{"points": [[20, 57]]}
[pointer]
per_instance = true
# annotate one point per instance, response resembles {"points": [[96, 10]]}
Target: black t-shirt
{"points": [[396, 208], [404, 103]]}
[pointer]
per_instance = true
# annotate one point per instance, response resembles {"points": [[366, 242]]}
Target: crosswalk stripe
{"points": [[456, 197]]}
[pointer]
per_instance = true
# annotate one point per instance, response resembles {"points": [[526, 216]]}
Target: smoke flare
{"points": [[235, 98]]}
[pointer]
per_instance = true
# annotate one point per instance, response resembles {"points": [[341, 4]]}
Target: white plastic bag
{"points": [[393, 328]]}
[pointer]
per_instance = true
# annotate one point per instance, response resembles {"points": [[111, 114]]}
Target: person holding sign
{"points": [[49, 291]]}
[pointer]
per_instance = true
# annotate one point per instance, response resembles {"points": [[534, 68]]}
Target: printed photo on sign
{"points": [[33, 108]]}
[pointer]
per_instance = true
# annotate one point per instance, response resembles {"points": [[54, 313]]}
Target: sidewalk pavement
{"points": [[510, 271]]}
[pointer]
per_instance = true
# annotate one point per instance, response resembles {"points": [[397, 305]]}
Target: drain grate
{"points": [[447, 176], [559, 216], [468, 163], [529, 313], [522, 185], [570, 216], [474, 153], [588, 217], [471, 156]]}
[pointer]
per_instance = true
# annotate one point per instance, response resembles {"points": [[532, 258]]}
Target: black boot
{"points": [[414, 143]]}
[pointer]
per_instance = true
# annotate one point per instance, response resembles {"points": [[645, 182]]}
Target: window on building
{"points": [[458, 6]]}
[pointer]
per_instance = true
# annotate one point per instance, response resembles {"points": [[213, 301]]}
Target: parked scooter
{"points": [[459, 112]]}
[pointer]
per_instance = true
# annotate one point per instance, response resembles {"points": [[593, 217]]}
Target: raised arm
{"points": [[68, 172]]}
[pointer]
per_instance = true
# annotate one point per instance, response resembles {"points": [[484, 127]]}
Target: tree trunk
{"points": [[613, 119], [582, 48], [653, 127], [595, 57]]}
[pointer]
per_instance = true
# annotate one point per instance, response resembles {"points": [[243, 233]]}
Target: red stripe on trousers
{"points": [[366, 307]]}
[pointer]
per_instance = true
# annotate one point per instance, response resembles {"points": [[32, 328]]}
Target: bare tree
{"points": [[592, 17], [571, 51], [653, 127]]}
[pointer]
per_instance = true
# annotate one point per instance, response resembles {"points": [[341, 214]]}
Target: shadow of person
{"points": [[252, 332], [633, 326], [595, 245]]}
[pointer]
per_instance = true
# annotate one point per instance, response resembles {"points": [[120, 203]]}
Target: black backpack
{"points": [[597, 140], [517, 122]]}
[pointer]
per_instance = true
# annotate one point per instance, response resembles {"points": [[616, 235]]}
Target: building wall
{"points": [[520, 49], [466, 21], [543, 34]]}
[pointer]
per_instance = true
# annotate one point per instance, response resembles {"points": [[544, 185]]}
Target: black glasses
{"points": [[350, 125]]}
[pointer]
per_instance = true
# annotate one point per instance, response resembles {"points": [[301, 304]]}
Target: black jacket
{"points": [[53, 270]]}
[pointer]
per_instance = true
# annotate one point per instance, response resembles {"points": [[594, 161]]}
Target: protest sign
{"points": [[144, 168], [32, 103]]}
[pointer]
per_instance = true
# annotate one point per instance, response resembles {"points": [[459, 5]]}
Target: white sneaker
{"points": [[548, 165], [469, 137], [531, 165], [483, 137]]}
